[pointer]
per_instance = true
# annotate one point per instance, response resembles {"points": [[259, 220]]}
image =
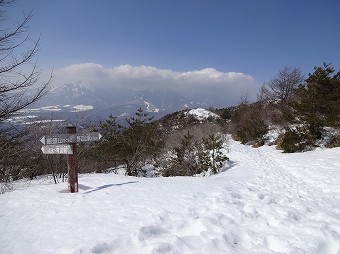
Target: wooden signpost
{"points": [[67, 144]]}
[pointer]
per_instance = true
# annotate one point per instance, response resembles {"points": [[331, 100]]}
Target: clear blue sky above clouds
{"points": [[255, 37]]}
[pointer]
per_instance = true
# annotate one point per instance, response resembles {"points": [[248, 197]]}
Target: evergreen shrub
{"points": [[296, 140]]}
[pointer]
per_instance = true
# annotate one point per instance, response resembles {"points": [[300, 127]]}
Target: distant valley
{"points": [[82, 102]]}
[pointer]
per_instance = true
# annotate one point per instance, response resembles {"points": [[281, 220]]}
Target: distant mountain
{"points": [[82, 101]]}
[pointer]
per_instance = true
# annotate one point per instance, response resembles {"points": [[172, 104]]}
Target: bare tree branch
{"points": [[281, 88], [18, 87]]}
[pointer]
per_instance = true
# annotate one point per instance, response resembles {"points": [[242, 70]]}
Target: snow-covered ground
{"points": [[266, 202]]}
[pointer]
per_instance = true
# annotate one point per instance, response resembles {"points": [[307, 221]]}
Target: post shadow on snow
{"points": [[104, 186], [83, 187]]}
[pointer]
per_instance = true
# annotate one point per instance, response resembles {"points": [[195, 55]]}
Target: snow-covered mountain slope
{"points": [[202, 114], [265, 202]]}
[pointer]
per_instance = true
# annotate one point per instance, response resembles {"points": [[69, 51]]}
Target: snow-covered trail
{"points": [[267, 202], [301, 199]]}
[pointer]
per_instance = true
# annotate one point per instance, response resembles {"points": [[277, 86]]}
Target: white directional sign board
{"points": [[58, 139], [53, 139], [57, 149], [90, 136]]}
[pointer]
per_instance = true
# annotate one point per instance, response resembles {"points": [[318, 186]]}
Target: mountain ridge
{"points": [[85, 100]]}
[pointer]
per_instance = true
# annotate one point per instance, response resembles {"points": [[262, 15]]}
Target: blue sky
{"points": [[254, 37]]}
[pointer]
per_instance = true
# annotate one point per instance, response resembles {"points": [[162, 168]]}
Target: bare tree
{"points": [[280, 90], [19, 88], [19, 74], [38, 163]]}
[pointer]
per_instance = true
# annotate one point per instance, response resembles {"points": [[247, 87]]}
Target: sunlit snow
{"points": [[265, 202], [202, 114]]}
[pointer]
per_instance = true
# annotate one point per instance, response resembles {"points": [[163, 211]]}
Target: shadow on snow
{"points": [[83, 187]]}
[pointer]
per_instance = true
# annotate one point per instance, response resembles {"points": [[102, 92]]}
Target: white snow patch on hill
{"points": [[202, 114], [125, 115], [51, 108], [266, 202], [30, 119], [150, 107], [79, 108]]}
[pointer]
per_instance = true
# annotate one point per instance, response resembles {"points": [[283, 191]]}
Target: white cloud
{"points": [[231, 85]]}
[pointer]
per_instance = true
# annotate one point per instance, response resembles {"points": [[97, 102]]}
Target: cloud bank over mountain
{"points": [[223, 86]]}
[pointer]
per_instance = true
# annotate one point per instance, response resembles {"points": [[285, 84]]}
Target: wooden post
{"points": [[72, 163]]}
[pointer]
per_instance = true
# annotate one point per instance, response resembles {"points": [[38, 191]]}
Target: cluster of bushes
{"points": [[188, 151], [248, 123], [295, 139], [290, 100], [134, 144], [192, 156]]}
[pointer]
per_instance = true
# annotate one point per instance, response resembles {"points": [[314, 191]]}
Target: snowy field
{"points": [[266, 202]]}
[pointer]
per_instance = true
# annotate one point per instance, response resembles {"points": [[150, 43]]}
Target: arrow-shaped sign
{"points": [[90, 136], [57, 149], [53, 139]]}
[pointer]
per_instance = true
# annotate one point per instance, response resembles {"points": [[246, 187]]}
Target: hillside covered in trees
{"points": [[305, 111]]}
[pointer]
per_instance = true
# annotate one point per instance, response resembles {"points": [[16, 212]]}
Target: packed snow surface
{"points": [[265, 202]]}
